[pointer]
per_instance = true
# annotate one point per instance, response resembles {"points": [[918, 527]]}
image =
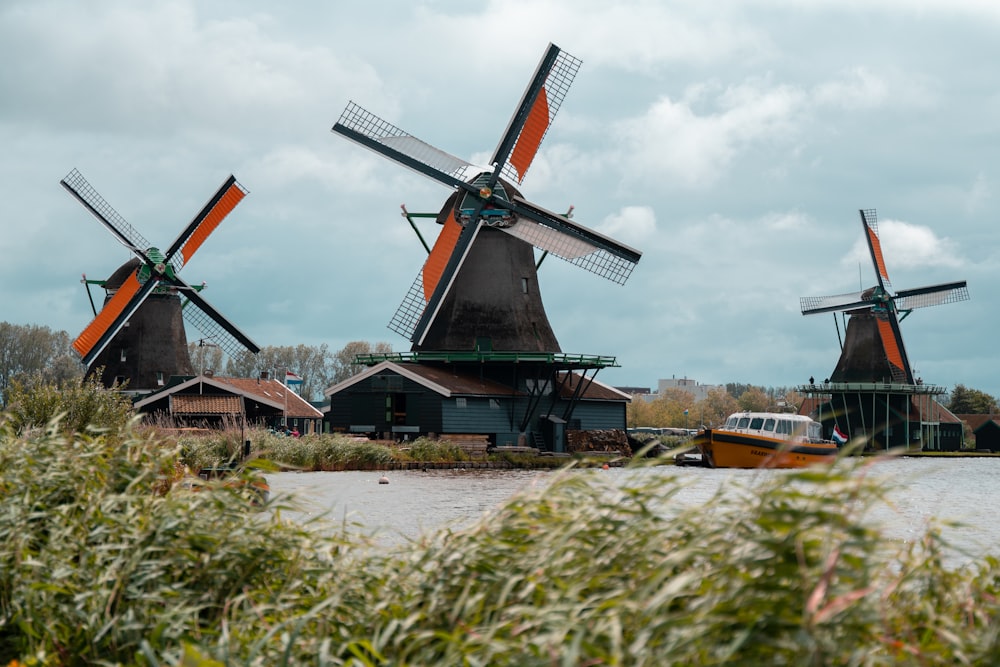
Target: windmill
{"points": [[873, 346], [872, 396], [142, 313], [474, 313], [478, 286]]}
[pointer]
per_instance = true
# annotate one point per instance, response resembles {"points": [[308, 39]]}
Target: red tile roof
{"points": [[274, 391], [976, 422], [194, 404]]}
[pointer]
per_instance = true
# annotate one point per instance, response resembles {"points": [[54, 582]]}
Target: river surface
{"points": [[965, 490]]}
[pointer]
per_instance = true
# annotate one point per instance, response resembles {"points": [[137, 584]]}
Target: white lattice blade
{"points": [[825, 304], [919, 298], [548, 239], [427, 154]]}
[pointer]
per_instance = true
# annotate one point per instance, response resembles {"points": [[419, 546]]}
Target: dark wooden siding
{"points": [[364, 404], [594, 415], [477, 416]]}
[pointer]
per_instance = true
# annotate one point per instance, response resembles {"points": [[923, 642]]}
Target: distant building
{"points": [[698, 391]]}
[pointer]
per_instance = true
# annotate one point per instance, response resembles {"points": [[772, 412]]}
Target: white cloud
{"points": [[631, 224], [858, 87], [674, 143], [980, 192], [906, 246]]}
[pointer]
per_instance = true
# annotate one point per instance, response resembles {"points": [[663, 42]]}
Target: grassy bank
{"points": [[102, 561], [330, 452]]}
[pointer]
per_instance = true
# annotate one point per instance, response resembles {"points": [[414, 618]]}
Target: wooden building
{"points": [[528, 404], [216, 402], [986, 429]]}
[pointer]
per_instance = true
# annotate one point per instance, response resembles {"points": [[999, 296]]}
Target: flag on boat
{"points": [[839, 436], [292, 378]]}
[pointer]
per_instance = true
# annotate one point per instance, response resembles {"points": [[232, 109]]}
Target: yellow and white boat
{"points": [[765, 440]]}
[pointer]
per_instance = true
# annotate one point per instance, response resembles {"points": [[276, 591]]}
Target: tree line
{"points": [[33, 350], [678, 408], [28, 350]]}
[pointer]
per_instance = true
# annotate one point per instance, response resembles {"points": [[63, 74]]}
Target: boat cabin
{"points": [[775, 425]]}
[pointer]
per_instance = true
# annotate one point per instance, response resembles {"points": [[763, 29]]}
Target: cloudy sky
{"points": [[731, 142]]}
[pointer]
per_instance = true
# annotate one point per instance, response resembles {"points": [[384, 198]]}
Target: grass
{"points": [[330, 452], [103, 560]]}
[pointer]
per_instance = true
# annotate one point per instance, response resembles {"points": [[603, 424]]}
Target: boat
{"points": [[765, 440]]}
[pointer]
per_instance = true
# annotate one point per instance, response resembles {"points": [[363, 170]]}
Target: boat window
{"points": [[784, 426], [743, 423], [731, 423], [756, 423], [768, 424]]}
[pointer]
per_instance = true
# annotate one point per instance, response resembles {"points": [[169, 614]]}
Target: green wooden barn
{"points": [[533, 400]]}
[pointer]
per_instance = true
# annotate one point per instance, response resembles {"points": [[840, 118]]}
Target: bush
{"points": [[98, 561], [79, 406], [427, 449], [99, 565]]}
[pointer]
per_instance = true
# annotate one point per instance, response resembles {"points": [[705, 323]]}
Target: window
{"points": [[460, 402], [494, 404], [756, 423], [524, 285], [768, 424], [159, 377], [743, 422], [123, 355]]}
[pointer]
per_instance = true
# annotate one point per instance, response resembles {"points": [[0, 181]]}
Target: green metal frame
{"points": [[561, 360]]}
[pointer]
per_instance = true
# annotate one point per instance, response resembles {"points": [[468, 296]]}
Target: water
{"points": [[966, 490]]}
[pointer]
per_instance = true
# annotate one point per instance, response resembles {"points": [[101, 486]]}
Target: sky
{"points": [[731, 142]]}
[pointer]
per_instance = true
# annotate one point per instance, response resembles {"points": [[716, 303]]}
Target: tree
{"points": [[316, 365], [965, 401], [716, 407], [36, 350], [205, 356], [344, 366], [753, 399]]}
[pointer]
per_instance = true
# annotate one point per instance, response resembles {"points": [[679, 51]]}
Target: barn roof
{"points": [[268, 392], [442, 380], [194, 404], [595, 391], [449, 381], [977, 422]]}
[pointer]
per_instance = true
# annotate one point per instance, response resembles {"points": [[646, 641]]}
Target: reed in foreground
{"points": [[103, 562]]}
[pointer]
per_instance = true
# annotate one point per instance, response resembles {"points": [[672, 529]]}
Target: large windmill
{"points": [[475, 309], [479, 285], [138, 335], [873, 375]]}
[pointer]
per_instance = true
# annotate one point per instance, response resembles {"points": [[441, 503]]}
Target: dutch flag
{"points": [[292, 378], [839, 436]]}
